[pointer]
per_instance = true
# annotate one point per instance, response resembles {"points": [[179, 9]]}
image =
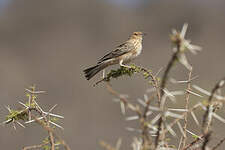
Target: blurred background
{"points": [[50, 42]]}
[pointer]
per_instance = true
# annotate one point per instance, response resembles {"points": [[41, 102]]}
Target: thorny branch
{"points": [[218, 144], [186, 107], [176, 120], [130, 71], [142, 116], [169, 67], [177, 40], [145, 142], [51, 137], [146, 137], [35, 146], [51, 130], [207, 117], [44, 119], [181, 45], [193, 142]]}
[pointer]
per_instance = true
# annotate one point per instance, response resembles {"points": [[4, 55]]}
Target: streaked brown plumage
{"points": [[123, 54]]}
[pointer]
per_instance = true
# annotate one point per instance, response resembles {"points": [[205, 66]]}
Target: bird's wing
{"points": [[120, 50]]}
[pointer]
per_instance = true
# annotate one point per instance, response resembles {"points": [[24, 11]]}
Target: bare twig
{"points": [[168, 69], [49, 129], [176, 120], [51, 137], [142, 116], [206, 118], [177, 40], [134, 69], [145, 133], [106, 146], [193, 142], [206, 140], [124, 100], [186, 107], [218, 144], [158, 134], [35, 146], [43, 118]]}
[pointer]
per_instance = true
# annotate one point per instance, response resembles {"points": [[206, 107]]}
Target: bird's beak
{"points": [[144, 34]]}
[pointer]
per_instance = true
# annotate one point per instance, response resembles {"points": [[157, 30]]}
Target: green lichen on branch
{"points": [[124, 71], [46, 144], [30, 105], [120, 72], [22, 114], [17, 115]]}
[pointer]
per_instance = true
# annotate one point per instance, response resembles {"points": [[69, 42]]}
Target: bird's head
{"points": [[137, 35]]}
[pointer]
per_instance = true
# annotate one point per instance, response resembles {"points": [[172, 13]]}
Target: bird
{"points": [[122, 54]]}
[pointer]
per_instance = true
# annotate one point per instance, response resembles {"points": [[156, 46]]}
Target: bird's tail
{"points": [[92, 71]]}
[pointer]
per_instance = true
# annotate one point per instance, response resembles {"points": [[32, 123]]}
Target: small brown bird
{"points": [[122, 55]]}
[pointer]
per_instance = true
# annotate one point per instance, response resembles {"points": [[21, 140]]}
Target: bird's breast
{"points": [[138, 49]]}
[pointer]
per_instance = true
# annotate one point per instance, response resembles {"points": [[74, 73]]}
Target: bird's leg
{"points": [[103, 73], [121, 64]]}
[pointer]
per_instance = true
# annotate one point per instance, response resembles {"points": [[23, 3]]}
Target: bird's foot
{"points": [[126, 66], [103, 74]]}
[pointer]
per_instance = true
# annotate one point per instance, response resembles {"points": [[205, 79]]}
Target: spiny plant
{"points": [[32, 112], [155, 119]]}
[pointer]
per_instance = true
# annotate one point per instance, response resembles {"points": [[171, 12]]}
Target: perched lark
{"points": [[122, 55]]}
